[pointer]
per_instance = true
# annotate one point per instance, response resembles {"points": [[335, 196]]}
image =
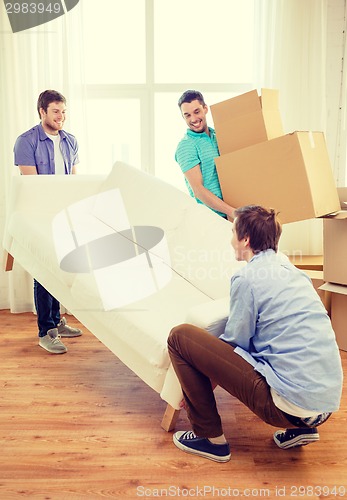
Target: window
{"points": [[203, 41], [114, 34], [156, 49], [114, 132]]}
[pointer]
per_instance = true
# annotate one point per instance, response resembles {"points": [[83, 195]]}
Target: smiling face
{"points": [[53, 120], [194, 114]]}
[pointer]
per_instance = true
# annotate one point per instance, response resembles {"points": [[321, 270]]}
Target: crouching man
{"points": [[278, 354]]}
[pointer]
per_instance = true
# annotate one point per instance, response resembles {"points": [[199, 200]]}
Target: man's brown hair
{"points": [[260, 225], [46, 97], [190, 96]]}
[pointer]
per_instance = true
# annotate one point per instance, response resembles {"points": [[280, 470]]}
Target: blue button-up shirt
{"points": [[35, 148], [278, 318]]}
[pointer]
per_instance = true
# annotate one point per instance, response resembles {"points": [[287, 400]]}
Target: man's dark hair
{"points": [[191, 95], [260, 225], [48, 96]]}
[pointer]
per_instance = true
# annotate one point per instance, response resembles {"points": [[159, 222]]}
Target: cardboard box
{"points": [[246, 120], [335, 243], [318, 282], [338, 312], [334, 248], [291, 174]]}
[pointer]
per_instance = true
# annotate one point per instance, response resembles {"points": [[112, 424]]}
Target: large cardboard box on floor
{"points": [[291, 174], [334, 248], [317, 282], [338, 312], [247, 119]]}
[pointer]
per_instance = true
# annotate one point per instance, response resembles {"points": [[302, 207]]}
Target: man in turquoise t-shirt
{"points": [[196, 152]]}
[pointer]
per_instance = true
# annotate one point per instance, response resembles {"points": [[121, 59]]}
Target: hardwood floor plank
{"points": [[82, 426]]}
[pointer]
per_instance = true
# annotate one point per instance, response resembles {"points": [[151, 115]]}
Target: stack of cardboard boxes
{"points": [[335, 267], [259, 164]]}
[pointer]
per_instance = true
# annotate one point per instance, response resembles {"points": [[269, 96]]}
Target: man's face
{"points": [[238, 246], [53, 120], [194, 114]]}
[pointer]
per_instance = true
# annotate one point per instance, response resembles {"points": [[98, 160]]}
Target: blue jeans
{"points": [[47, 308]]}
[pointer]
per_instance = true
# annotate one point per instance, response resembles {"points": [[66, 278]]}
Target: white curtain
{"points": [[291, 51], [291, 48], [337, 132], [45, 57]]}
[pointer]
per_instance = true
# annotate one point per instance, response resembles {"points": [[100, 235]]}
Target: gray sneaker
{"points": [[51, 342], [64, 330]]}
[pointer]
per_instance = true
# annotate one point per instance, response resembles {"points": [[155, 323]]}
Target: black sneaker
{"points": [[189, 442], [295, 437]]}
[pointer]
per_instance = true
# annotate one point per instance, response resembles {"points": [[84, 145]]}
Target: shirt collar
{"points": [[264, 254], [203, 134], [43, 135]]}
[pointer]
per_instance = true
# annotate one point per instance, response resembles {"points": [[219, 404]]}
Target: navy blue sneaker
{"points": [[295, 437], [189, 442]]}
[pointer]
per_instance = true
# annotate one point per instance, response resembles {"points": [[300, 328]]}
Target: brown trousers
{"points": [[199, 358]]}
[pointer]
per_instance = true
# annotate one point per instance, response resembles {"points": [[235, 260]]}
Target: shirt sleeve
{"points": [[24, 152], [76, 159], [241, 324], [187, 155]]}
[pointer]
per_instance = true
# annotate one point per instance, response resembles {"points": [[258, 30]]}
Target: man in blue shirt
{"points": [[277, 355], [47, 149], [196, 152]]}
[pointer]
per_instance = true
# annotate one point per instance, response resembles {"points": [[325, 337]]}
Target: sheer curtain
{"points": [[291, 53], [45, 57], [337, 133]]}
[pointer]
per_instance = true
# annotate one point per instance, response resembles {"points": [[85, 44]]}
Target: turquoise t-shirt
{"points": [[200, 148]]}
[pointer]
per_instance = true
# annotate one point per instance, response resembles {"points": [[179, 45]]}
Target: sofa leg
{"points": [[8, 262], [170, 418]]}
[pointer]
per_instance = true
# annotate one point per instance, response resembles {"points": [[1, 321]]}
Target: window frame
{"points": [[146, 93]]}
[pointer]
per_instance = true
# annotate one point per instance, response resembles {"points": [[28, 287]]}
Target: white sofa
{"points": [[189, 261]]}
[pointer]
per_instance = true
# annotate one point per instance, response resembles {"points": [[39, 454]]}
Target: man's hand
{"points": [[182, 405], [27, 170]]}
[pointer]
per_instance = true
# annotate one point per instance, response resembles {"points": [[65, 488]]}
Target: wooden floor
{"points": [[82, 426]]}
